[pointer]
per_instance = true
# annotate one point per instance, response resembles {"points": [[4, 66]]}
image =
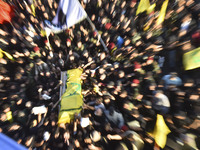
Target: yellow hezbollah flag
{"points": [[160, 131], [191, 60], [71, 100], [162, 13], [33, 8], [151, 8], [143, 6], [6, 54]]}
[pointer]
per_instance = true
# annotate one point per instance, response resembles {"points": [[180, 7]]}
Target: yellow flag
{"points": [[1, 54], [191, 60], [151, 8], [162, 13], [33, 8], [143, 6], [9, 116], [72, 99], [43, 32], [6, 54], [160, 131]]}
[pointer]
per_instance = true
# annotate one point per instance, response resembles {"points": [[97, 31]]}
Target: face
{"points": [[68, 43], [101, 70], [79, 44], [121, 75], [85, 54], [19, 102], [28, 141], [123, 4], [3, 117], [102, 56], [93, 17], [103, 77], [123, 95], [57, 43], [149, 62], [122, 18], [13, 41], [127, 42]]}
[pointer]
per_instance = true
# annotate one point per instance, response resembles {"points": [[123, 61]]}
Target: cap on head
{"points": [[136, 81]]}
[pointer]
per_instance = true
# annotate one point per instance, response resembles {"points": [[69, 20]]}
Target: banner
{"points": [[160, 131], [72, 99], [191, 60], [69, 13], [162, 13], [9, 144], [143, 6]]}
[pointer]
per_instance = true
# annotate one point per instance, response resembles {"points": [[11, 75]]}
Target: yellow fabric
{"points": [[9, 116], [6, 54], [1, 54], [151, 8], [191, 60], [162, 13], [43, 32], [33, 8], [143, 6], [160, 131], [71, 100]]}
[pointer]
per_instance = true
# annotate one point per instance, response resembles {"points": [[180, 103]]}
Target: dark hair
{"points": [[111, 110]]}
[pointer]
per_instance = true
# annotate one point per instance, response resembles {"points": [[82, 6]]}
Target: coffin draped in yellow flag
{"points": [[160, 131], [191, 60], [72, 99]]}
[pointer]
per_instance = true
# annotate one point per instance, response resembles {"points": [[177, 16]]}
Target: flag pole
{"points": [[94, 28]]}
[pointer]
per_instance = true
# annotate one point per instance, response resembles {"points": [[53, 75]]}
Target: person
{"points": [[161, 102], [171, 79], [115, 118], [128, 140]]}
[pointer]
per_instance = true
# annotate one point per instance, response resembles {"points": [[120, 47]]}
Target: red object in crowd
{"points": [[124, 128], [94, 33], [134, 1], [137, 65], [108, 26], [36, 49], [6, 12], [136, 81], [111, 46], [68, 40], [150, 58], [196, 37]]}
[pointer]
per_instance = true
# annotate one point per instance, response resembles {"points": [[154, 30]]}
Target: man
{"points": [[171, 79], [161, 102], [128, 140], [114, 118]]}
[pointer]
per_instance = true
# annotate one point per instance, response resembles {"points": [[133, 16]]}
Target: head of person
{"points": [[111, 110], [121, 74], [95, 136], [123, 94], [135, 83]]}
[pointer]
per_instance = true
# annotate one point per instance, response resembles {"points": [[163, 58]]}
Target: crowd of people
{"points": [[124, 88]]}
